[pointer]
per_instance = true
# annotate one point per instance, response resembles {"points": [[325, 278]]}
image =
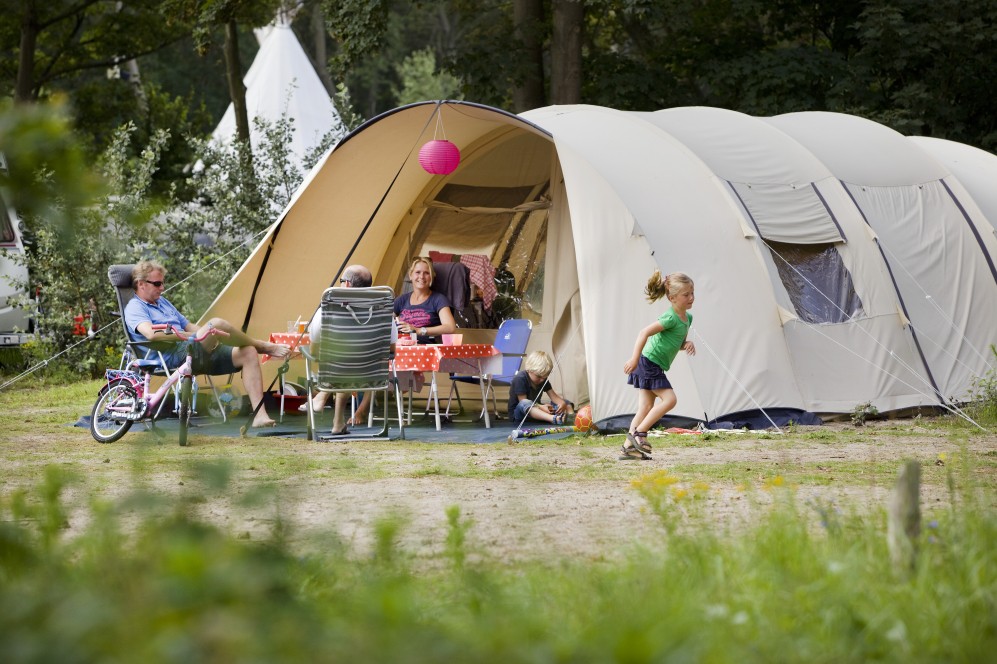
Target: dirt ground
{"points": [[533, 499], [583, 503]]}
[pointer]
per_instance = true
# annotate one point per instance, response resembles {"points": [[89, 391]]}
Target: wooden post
{"points": [[904, 517]]}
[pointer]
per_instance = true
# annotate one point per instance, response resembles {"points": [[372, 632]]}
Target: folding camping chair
{"points": [[138, 347], [354, 350], [511, 340]]}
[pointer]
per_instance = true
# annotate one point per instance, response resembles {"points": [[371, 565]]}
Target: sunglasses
{"points": [[343, 280], [157, 284]]}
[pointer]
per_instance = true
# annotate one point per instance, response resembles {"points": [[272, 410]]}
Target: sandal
{"points": [[631, 453], [639, 440]]}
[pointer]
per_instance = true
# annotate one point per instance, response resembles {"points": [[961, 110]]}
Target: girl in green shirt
{"points": [[656, 347]]}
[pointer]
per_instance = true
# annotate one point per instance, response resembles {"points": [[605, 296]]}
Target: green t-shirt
{"points": [[661, 348]]}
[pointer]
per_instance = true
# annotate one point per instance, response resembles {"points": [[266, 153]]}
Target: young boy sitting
{"points": [[527, 387]]}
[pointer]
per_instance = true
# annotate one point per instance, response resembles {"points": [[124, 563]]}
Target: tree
{"points": [[566, 52], [206, 15], [59, 39], [421, 81], [528, 22]]}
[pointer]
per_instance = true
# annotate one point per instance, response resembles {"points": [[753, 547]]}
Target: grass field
{"points": [[726, 547]]}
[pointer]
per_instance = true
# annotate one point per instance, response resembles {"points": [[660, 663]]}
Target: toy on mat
{"points": [[542, 431], [583, 424]]}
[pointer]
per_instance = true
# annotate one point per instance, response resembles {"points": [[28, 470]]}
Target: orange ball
{"points": [[583, 419]]}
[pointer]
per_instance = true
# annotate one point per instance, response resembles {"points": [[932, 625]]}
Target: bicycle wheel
{"points": [[183, 411], [106, 423]]}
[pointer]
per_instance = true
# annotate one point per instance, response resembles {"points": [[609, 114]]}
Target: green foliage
{"points": [[206, 15], [863, 412], [68, 264], [202, 242], [68, 37], [46, 174], [421, 81], [802, 583], [358, 26], [480, 55], [982, 405]]}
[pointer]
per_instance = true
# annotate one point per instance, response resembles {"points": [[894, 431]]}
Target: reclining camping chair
{"points": [[511, 340], [138, 347], [353, 352]]}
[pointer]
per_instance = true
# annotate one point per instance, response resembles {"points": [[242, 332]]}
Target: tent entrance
{"points": [[502, 228]]}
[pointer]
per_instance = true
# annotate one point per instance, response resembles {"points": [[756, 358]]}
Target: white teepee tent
{"points": [[282, 81]]}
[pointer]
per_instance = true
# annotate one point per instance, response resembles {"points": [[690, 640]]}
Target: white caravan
{"points": [[15, 323]]}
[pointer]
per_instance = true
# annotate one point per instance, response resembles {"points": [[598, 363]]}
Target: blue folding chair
{"points": [[511, 340]]}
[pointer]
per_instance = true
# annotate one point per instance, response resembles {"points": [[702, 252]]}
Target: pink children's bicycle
{"points": [[125, 399]]}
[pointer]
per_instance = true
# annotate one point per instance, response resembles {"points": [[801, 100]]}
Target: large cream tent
{"points": [[836, 262]]}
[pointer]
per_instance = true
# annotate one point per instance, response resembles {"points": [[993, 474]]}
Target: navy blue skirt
{"points": [[648, 376]]}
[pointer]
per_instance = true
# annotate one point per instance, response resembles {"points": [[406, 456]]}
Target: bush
{"points": [[983, 399], [796, 585], [202, 240]]}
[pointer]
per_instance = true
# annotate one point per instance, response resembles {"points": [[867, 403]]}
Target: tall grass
{"points": [[983, 400], [804, 583]]}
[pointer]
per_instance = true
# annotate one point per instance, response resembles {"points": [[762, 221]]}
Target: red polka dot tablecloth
{"points": [[432, 357]]}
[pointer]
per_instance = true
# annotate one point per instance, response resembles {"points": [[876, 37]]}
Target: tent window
{"points": [[817, 281]]}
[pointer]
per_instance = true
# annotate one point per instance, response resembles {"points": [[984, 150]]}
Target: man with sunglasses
{"points": [[240, 352]]}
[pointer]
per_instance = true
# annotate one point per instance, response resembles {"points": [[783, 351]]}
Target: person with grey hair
{"points": [[240, 352], [355, 276]]}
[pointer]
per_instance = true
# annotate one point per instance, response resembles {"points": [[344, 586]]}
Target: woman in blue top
{"points": [[423, 311], [656, 347]]}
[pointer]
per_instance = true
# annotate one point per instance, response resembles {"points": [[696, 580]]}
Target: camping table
{"points": [[481, 360], [293, 340]]}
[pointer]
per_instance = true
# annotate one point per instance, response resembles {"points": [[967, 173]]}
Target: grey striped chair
{"points": [[353, 351]]}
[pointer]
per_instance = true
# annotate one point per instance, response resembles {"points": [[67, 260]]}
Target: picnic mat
{"points": [[294, 426]]}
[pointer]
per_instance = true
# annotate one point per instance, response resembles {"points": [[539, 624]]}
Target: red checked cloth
{"points": [[483, 276]]}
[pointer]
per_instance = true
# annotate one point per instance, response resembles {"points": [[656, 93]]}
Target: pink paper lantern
{"points": [[439, 157]]}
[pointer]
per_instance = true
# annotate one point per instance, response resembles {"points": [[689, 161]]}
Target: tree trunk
{"points": [[236, 88], [528, 92], [318, 41], [566, 52], [24, 87]]}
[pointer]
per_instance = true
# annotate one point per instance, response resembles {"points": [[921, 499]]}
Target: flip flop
{"points": [[344, 432]]}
